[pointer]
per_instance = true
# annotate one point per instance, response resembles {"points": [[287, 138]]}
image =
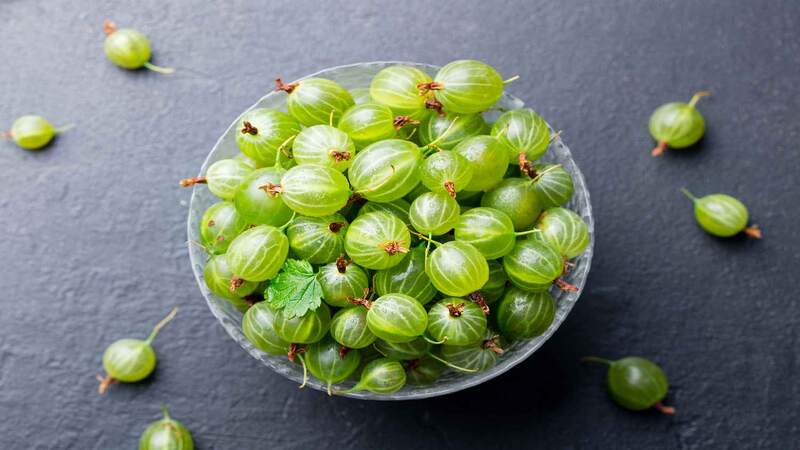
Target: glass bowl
{"points": [[354, 76]]}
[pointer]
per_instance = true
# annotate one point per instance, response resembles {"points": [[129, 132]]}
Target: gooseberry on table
{"points": [[677, 124], [636, 383], [129, 48], [32, 132], [722, 215], [166, 434]]}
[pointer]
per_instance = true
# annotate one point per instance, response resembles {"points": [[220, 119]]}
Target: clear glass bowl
{"points": [[354, 76]]}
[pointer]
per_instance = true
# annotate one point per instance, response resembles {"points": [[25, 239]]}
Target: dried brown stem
{"points": [[340, 155], [341, 264], [564, 286], [665, 409], [186, 182], [236, 282], [393, 247], [288, 88], [295, 350], [356, 198], [424, 88], [435, 105], [456, 309], [753, 231], [493, 345], [109, 27], [363, 300], [336, 226], [450, 187], [478, 298], [401, 121], [248, 128], [525, 166], [659, 149], [343, 351], [105, 382], [273, 190]]}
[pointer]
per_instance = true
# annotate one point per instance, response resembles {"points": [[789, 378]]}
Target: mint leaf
{"points": [[295, 289]]}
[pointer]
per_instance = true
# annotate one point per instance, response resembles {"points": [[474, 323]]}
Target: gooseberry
{"points": [[315, 101], [407, 277], [220, 224], [636, 383], [523, 315], [377, 240], [722, 215], [382, 376], [515, 198], [563, 230], [446, 172], [340, 281], [312, 190], [223, 177], [349, 328], [386, 170], [331, 362], [466, 86], [677, 124], [129, 49], [434, 213], [324, 145], [522, 131], [318, 240], [255, 204], [306, 329], [488, 160], [33, 132], [258, 328], [263, 133], [257, 254], [166, 434], [457, 268], [455, 321], [396, 318]]}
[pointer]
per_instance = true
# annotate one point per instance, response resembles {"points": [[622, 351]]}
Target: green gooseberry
{"points": [[386, 170], [423, 371], [522, 132], [312, 190], [415, 349], [258, 328], [264, 134], [636, 383], [223, 177], [524, 315], [397, 318], [533, 265], [305, 329], [218, 277], [315, 101], [489, 230], [318, 240], [398, 208], [434, 213], [129, 49], [342, 281], [368, 123], [563, 230], [397, 88], [454, 321], [382, 376], [475, 357], [488, 158], [494, 288], [515, 197], [552, 184], [33, 132], [408, 277], [324, 145], [466, 86], [331, 362], [360, 96], [446, 172], [257, 254], [677, 124], [255, 204], [377, 240], [349, 328], [166, 434], [457, 268], [722, 215], [220, 224], [448, 130], [131, 360]]}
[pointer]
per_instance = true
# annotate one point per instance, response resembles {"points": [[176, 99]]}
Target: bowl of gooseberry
{"points": [[390, 230]]}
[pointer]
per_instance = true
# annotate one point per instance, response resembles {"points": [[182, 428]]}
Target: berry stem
{"points": [[512, 79], [451, 365], [235, 283], [565, 286], [688, 194], [159, 69], [450, 187], [427, 238], [431, 341], [753, 231], [664, 409], [401, 121], [523, 233], [281, 148], [186, 182], [288, 222], [659, 149], [281, 86], [161, 324], [595, 359], [165, 411], [6, 134], [64, 128], [305, 371], [384, 181], [109, 27], [105, 382], [697, 96], [442, 136], [539, 175], [478, 298]]}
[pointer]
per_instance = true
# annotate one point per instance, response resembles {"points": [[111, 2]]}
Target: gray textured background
{"points": [[93, 240]]}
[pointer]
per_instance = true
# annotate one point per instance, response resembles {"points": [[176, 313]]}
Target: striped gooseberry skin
{"points": [[314, 190], [377, 240], [257, 326], [522, 131], [386, 170], [225, 175], [720, 214], [398, 208], [368, 123], [468, 86], [166, 433], [220, 224], [408, 277], [479, 356], [249, 162], [554, 187], [423, 371], [318, 240], [360, 96], [533, 265], [127, 48], [396, 87], [129, 360], [349, 328], [458, 128], [496, 285], [415, 349], [268, 130], [524, 315], [217, 276], [488, 159], [489, 230], [457, 268], [446, 172], [636, 383], [434, 213], [563, 230], [306, 329], [312, 100], [515, 198], [258, 253], [325, 361], [339, 287], [456, 321], [324, 145], [382, 376], [397, 318], [32, 132], [255, 204], [678, 124]]}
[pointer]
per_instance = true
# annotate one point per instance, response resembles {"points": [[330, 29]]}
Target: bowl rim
{"points": [[466, 382]]}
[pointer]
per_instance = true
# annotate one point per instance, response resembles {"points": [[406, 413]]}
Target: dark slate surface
{"points": [[93, 245]]}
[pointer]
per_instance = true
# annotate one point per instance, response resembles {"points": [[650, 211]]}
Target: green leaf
{"points": [[295, 289]]}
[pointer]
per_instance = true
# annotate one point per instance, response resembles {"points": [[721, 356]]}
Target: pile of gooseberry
{"points": [[389, 233]]}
